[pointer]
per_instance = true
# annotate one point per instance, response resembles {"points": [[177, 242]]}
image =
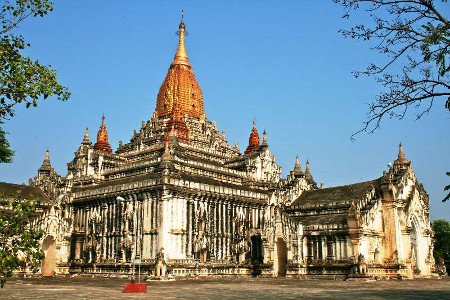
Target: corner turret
{"points": [[401, 162], [86, 140], [102, 143], [46, 166], [308, 176], [298, 172], [253, 140]]}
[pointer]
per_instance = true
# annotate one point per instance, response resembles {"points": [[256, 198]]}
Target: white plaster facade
{"points": [[182, 200]]}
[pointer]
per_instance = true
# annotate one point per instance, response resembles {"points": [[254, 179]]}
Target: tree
{"points": [[19, 242], [442, 240], [22, 80], [5, 153], [414, 37], [447, 188]]}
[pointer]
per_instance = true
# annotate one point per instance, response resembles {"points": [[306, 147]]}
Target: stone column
{"points": [[337, 244], [140, 236], [227, 231], [164, 223], [117, 215], [310, 248], [104, 230], [86, 231], [329, 247]]}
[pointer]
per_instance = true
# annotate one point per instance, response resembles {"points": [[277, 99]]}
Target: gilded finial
{"points": [[181, 57], [47, 155]]}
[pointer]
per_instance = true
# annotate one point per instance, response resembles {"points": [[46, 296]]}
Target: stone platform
{"points": [[225, 288]]}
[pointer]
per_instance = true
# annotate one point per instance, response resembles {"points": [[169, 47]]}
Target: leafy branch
{"points": [[414, 36], [23, 80]]}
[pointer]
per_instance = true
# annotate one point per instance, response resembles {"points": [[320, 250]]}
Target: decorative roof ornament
{"points": [[264, 142], [401, 158], [297, 167], [308, 175], [86, 140], [46, 165], [102, 143], [166, 154], [253, 140], [180, 85]]}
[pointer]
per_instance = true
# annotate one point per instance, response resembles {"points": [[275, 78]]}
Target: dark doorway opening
{"points": [[257, 256]]}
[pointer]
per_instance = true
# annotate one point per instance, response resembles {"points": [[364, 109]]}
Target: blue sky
{"points": [[281, 62]]}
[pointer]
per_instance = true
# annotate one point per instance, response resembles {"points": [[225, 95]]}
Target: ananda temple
{"points": [[179, 200]]}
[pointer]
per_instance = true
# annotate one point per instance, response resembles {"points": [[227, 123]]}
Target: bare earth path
{"points": [[226, 288]]}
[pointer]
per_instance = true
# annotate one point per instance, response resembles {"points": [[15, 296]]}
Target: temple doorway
{"points": [[49, 261], [256, 254], [281, 258]]}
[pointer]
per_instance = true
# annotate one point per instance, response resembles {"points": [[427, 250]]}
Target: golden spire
{"points": [[180, 86], [181, 57]]}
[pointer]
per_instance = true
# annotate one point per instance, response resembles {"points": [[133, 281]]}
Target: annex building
{"points": [[181, 200]]}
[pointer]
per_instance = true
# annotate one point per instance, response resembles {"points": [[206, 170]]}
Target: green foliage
{"points": [[442, 240], [6, 153], [15, 11], [19, 242], [447, 188], [24, 80]]}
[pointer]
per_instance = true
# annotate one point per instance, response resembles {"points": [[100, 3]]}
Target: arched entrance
{"points": [[49, 261], [256, 254], [281, 258]]}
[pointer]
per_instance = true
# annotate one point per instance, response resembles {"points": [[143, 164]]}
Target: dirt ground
{"points": [[226, 288]]}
